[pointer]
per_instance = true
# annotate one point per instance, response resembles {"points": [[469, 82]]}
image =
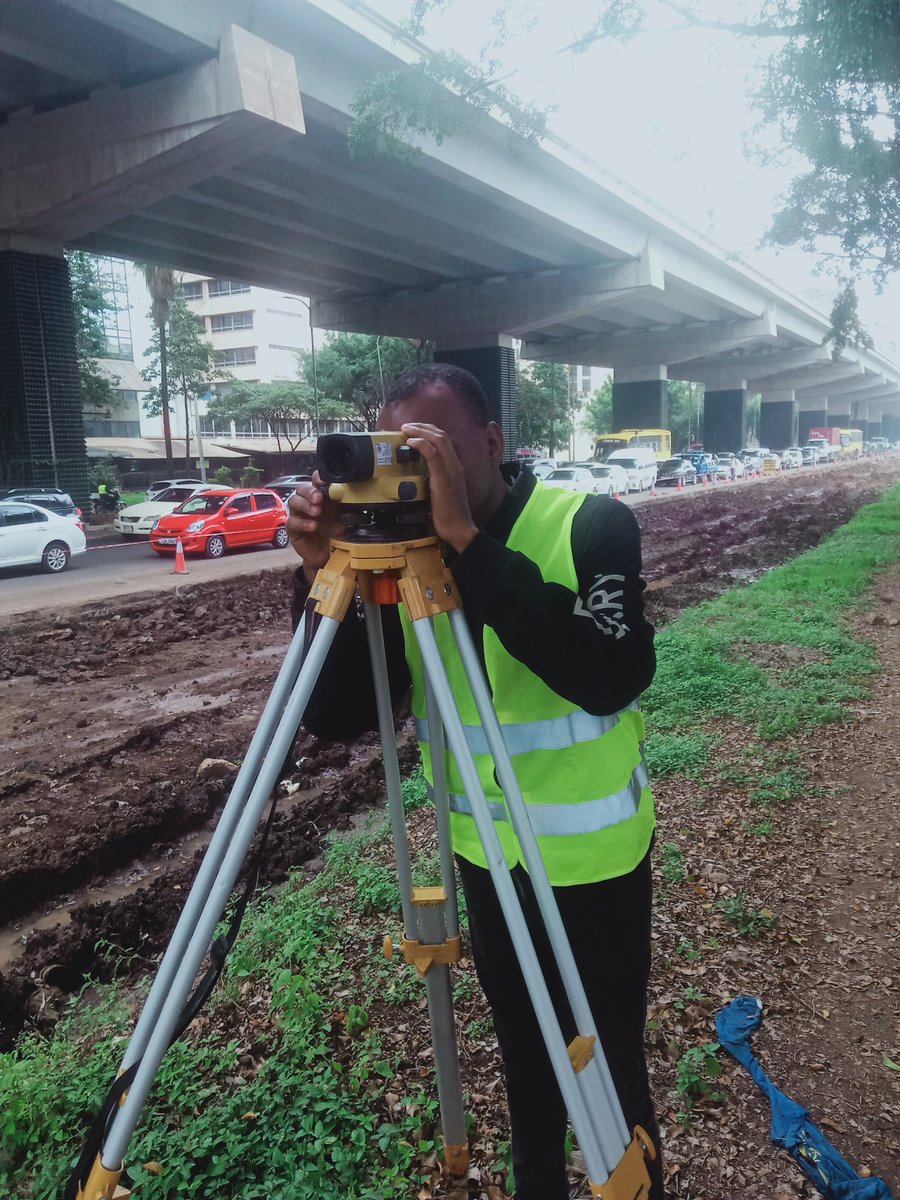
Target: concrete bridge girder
{"points": [[742, 370], [79, 166]]}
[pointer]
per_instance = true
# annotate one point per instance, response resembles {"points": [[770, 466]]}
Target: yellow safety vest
{"points": [[583, 777]]}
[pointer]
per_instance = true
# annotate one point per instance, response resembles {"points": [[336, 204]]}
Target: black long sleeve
{"points": [[593, 647]]}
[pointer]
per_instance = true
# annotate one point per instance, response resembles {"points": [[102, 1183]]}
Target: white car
{"points": [[796, 455], [29, 534], [571, 479], [729, 466], [137, 519], [542, 467], [609, 480], [162, 485]]}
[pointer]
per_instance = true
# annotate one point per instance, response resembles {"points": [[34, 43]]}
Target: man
{"points": [[551, 588]]}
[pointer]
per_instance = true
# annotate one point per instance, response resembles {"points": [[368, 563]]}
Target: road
{"points": [[112, 568]]}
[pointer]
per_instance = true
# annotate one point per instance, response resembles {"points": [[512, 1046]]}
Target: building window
{"points": [[227, 287], [192, 291], [292, 349], [99, 429], [241, 356], [226, 322], [253, 428], [210, 427], [110, 274]]}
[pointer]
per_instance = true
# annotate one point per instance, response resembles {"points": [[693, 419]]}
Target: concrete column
{"points": [[42, 441], [810, 418], [640, 398], [725, 420], [494, 366], [875, 427], [840, 420], [890, 426], [778, 420]]}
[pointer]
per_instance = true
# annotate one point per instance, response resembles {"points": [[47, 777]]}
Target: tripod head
{"points": [[380, 482]]}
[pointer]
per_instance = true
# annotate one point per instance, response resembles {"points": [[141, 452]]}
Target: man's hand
{"points": [[450, 513], [312, 522]]}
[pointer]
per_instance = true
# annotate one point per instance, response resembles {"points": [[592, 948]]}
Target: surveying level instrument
{"points": [[386, 567]]}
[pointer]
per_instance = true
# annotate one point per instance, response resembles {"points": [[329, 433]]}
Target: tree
{"points": [[544, 410], [178, 355], [286, 405], [598, 411], [161, 285], [354, 372], [89, 302], [685, 413]]}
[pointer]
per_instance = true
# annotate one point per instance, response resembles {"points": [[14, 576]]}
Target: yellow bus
{"points": [[659, 440], [851, 442]]}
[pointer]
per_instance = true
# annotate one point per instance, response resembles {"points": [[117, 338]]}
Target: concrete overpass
{"points": [[210, 135]]}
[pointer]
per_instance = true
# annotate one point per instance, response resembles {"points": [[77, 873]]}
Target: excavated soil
{"points": [[107, 712]]}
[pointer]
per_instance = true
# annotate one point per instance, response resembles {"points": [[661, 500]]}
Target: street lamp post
{"points": [[307, 304]]}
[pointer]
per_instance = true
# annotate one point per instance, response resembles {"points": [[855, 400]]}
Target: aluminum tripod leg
{"points": [[599, 1133], [266, 776], [423, 922]]}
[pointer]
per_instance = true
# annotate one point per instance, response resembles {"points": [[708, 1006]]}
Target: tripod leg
{"points": [[426, 918], [158, 1038], [597, 1070], [218, 845], [600, 1156]]}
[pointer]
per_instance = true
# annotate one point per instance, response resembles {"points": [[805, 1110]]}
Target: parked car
{"points": [[674, 471], [285, 485], [810, 456], [137, 519], [609, 479], [639, 462], [571, 479], [704, 464], [161, 485], [31, 534], [54, 499], [751, 459], [729, 466], [788, 461], [795, 453], [214, 521]]}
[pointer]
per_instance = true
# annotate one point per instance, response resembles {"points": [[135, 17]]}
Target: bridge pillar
{"points": [[778, 420], [40, 400], [839, 419], [810, 418], [725, 419], [861, 419], [494, 366], [890, 426], [640, 398], [875, 426]]}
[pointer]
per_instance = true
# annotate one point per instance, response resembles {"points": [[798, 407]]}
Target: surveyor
{"points": [[551, 589]]}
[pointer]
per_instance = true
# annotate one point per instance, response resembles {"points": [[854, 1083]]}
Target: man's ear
{"points": [[494, 441]]}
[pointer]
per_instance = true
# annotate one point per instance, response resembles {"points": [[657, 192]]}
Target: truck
{"points": [[827, 441], [659, 440]]}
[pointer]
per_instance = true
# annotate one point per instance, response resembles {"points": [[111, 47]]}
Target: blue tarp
{"points": [[791, 1124]]}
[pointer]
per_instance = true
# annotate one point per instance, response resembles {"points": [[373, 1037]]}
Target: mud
{"points": [[109, 710]]}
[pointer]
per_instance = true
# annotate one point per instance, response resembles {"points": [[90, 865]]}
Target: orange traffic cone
{"points": [[180, 567], [679, 485], [705, 480], [652, 489]]}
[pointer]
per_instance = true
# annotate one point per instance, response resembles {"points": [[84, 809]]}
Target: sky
{"points": [[669, 113]]}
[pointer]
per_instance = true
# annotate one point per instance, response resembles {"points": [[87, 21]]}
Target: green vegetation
{"points": [[694, 1075], [749, 921], [673, 862]]}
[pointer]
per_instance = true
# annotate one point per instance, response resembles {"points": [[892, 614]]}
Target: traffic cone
{"points": [[679, 485], [705, 480], [180, 567], [652, 489]]}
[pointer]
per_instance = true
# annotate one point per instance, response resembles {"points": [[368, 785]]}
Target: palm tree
{"points": [[161, 285]]}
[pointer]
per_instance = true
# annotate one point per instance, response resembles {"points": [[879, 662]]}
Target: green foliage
{"points": [[190, 369], [354, 371], [547, 406], [104, 470], [286, 405], [251, 476], [673, 867], [685, 401], [415, 790], [694, 1075], [223, 476], [597, 416], [749, 920], [89, 302], [677, 753]]}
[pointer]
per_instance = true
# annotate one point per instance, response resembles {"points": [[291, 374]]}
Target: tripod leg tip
{"points": [[457, 1159]]}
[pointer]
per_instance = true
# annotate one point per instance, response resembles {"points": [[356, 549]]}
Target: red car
{"points": [[212, 522]]}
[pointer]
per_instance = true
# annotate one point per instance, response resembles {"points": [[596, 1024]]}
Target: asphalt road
{"points": [[112, 568]]}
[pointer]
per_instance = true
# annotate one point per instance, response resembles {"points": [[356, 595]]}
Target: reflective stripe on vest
{"points": [[565, 820], [554, 734]]}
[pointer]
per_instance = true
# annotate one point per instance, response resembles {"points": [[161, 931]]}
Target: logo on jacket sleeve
{"points": [[604, 605]]}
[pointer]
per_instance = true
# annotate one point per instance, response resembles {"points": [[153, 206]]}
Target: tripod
{"points": [[410, 572]]}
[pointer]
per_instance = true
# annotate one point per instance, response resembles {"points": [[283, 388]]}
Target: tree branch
{"points": [[741, 28]]}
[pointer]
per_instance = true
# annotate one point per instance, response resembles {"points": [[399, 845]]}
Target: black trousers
{"points": [[608, 925]]}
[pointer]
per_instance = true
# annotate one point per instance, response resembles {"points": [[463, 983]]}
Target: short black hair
{"points": [[460, 381]]}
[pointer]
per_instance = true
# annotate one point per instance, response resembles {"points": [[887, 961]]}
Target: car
{"points": [[771, 462], [32, 534], [161, 485], [571, 479], [704, 464], [795, 453], [752, 461], [609, 479], [285, 485], [137, 519], [788, 460], [214, 521], [640, 464], [729, 466], [675, 471], [810, 456], [54, 499]]}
